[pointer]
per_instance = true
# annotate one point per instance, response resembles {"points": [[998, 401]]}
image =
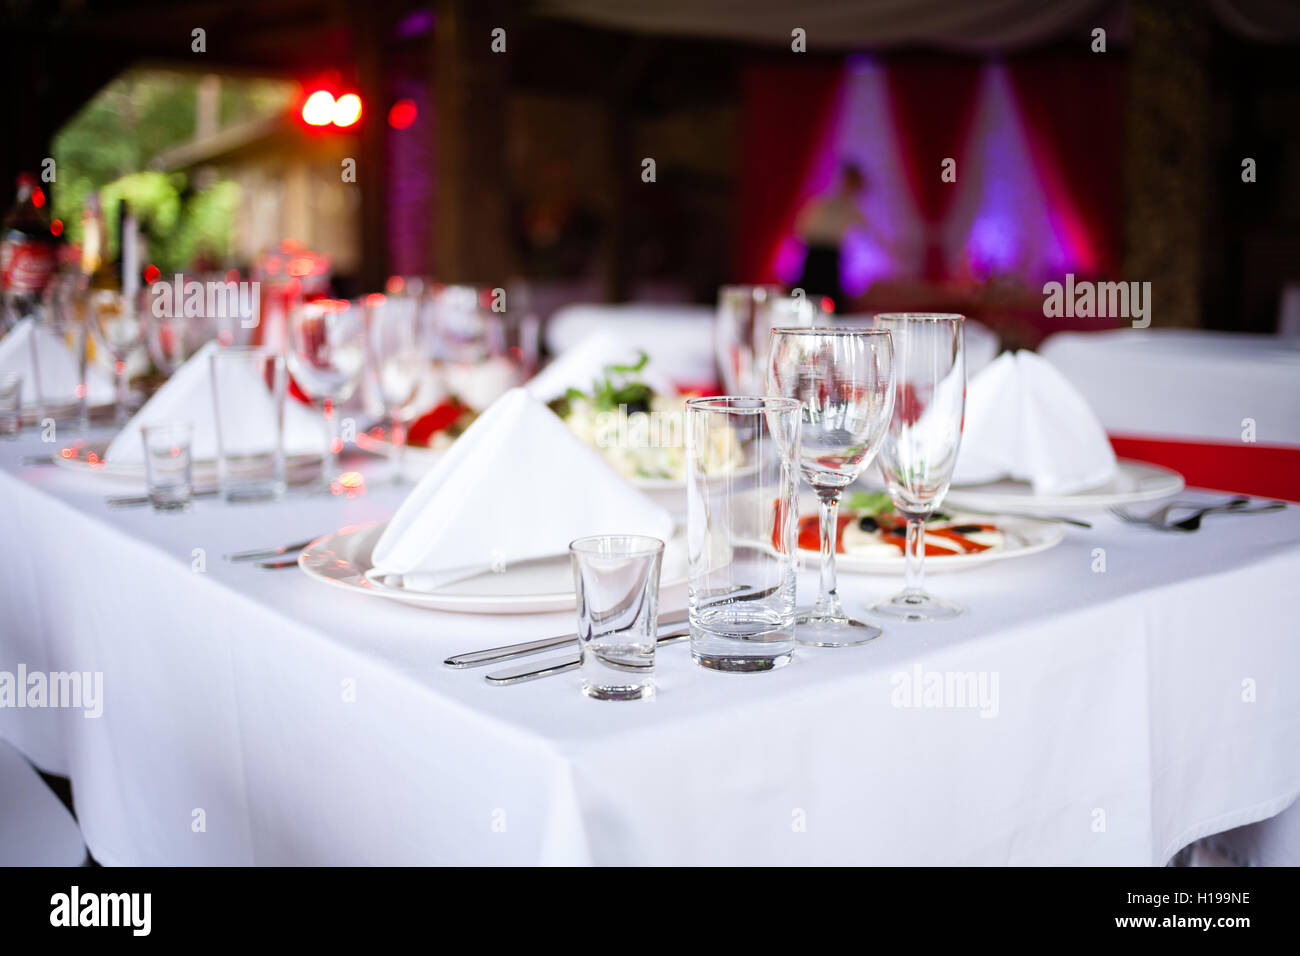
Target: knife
{"points": [[558, 665], [494, 655]]}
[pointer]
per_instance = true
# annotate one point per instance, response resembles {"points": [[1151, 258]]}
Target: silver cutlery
{"points": [[265, 553], [494, 655], [1159, 519], [1077, 522], [558, 665], [281, 563], [130, 501]]}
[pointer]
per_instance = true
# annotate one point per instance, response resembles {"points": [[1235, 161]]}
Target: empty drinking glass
{"points": [[326, 352], [168, 465], [117, 320], [917, 458], [617, 582], [400, 364], [248, 390], [11, 404], [745, 316], [742, 512], [844, 380]]}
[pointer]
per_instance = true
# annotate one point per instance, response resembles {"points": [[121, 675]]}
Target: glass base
{"points": [[644, 691], [813, 631], [918, 606], [740, 665]]}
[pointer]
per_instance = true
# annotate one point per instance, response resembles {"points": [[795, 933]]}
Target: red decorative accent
{"points": [[786, 111], [933, 102], [439, 419], [1268, 471]]}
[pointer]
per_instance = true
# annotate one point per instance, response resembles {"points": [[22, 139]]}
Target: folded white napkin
{"points": [[187, 397], [1025, 421], [584, 364], [58, 367], [518, 485]]}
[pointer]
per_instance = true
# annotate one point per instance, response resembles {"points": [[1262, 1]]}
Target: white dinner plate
{"points": [[533, 587], [88, 457], [1024, 536], [1136, 482]]}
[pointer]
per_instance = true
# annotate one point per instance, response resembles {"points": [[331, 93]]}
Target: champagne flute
{"points": [[918, 456], [399, 362], [845, 380], [116, 319], [326, 354]]}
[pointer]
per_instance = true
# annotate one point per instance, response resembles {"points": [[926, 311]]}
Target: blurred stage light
{"points": [[319, 109], [347, 110], [403, 114]]}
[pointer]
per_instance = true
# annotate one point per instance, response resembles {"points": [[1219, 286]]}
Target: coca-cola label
{"points": [[25, 265]]}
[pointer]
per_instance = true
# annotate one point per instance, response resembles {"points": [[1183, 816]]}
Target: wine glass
{"points": [[326, 355], [845, 380], [399, 362], [919, 454], [116, 319], [65, 316]]}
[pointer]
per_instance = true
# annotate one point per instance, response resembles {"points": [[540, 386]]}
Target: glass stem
{"points": [[399, 448], [828, 603], [914, 576], [331, 462], [119, 382]]}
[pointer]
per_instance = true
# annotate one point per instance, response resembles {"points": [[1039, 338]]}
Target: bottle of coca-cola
{"points": [[28, 251]]}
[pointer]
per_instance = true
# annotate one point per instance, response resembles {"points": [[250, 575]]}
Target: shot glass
{"points": [[11, 404], [168, 465], [248, 393], [741, 519], [617, 581]]}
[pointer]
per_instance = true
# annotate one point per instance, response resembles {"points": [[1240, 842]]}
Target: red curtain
{"points": [[786, 109], [1074, 119], [933, 100]]}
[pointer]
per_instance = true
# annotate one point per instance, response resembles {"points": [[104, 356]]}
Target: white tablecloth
{"points": [[259, 717], [1185, 384]]}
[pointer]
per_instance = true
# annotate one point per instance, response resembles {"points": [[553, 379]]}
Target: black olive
{"points": [[938, 516], [868, 523], [966, 529]]}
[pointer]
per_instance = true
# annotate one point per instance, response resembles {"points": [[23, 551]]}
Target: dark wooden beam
{"points": [[471, 87]]}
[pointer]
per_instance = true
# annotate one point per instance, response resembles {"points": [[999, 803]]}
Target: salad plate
{"points": [[870, 538]]}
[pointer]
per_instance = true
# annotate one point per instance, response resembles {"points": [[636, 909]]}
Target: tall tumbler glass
{"points": [[917, 458], [742, 516], [844, 379], [248, 392], [616, 577]]}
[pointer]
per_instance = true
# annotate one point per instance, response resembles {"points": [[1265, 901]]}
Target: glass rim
{"points": [[920, 316], [755, 404], [646, 545], [828, 330]]}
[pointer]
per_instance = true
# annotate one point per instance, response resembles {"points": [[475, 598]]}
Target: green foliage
{"points": [[110, 143]]}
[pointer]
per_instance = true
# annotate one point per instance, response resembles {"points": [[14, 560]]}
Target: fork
{"points": [[1158, 519]]}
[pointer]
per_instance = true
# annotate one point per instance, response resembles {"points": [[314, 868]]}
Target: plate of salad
{"points": [[871, 537]]}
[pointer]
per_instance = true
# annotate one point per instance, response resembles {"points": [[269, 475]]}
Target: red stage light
{"points": [[319, 108], [347, 110], [151, 274], [38, 197], [56, 227], [403, 114]]}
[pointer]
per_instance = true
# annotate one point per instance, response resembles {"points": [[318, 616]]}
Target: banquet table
{"points": [[1141, 696]]}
